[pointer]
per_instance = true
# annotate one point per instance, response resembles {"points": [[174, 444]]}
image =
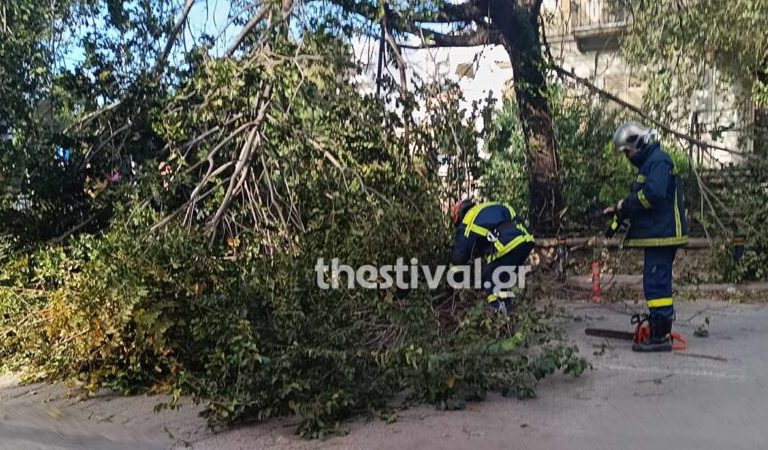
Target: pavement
{"points": [[713, 396]]}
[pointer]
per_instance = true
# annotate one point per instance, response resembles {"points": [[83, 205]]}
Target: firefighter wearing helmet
{"points": [[654, 209]]}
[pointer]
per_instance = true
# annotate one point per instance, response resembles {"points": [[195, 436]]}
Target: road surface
{"points": [[712, 396]]}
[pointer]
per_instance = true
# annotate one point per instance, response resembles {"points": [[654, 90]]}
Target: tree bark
{"points": [[514, 24], [518, 25]]}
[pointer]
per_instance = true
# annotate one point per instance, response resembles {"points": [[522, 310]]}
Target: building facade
{"points": [[584, 36]]}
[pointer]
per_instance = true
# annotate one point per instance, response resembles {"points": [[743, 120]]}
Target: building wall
{"points": [[584, 37]]}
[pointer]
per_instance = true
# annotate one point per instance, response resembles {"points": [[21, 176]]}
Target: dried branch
{"points": [[240, 172], [395, 51], [705, 193], [204, 135], [91, 153], [3, 20], [86, 119], [215, 150], [191, 202]]}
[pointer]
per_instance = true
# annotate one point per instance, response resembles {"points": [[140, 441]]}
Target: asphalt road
{"points": [[712, 396]]}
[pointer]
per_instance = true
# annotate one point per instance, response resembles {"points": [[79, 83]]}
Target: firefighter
{"points": [[654, 209], [494, 232]]}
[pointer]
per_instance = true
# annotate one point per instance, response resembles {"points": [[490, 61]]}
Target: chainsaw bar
{"points": [[613, 334]]}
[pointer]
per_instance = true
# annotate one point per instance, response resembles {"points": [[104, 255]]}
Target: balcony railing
{"points": [[597, 14]]}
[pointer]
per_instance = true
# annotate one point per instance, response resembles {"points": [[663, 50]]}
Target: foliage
{"points": [[584, 132], [697, 48], [198, 273], [511, 24], [679, 43], [256, 337], [62, 65], [741, 207], [504, 172]]}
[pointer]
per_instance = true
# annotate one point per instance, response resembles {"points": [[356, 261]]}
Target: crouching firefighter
{"points": [[654, 209], [494, 232]]}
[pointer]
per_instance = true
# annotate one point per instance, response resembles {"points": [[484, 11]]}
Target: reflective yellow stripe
{"points": [[656, 242], [493, 297], [502, 250], [660, 302], [640, 178], [643, 200], [469, 219], [678, 223], [477, 229]]}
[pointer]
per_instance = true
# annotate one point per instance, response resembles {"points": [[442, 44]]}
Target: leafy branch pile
{"points": [[179, 256]]}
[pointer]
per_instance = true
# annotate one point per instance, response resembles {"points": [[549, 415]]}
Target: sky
{"points": [[212, 17], [490, 69], [490, 63]]}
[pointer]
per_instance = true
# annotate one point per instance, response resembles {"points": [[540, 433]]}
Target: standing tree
{"points": [[511, 23], [681, 42]]}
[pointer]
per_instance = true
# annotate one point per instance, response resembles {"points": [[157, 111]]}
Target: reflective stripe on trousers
{"points": [[657, 280]]}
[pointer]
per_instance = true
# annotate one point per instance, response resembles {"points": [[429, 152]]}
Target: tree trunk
{"points": [[519, 28]]}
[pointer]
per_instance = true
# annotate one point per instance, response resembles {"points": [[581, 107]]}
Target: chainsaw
{"points": [[642, 332]]}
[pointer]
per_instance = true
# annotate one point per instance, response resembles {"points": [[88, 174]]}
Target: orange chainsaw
{"points": [[642, 331]]}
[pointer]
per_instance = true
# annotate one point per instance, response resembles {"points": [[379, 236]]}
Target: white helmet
{"points": [[632, 136]]}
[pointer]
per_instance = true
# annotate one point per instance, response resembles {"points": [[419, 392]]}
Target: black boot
{"points": [[660, 339]]}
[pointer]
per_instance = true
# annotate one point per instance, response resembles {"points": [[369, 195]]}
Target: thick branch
{"points": [[396, 52], [641, 113], [241, 168], [483, 35], [248, 27], [473, 11], [462, 12], [536, 7], [3, 20], [480, 37], [160, 64], [469, 12]]}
